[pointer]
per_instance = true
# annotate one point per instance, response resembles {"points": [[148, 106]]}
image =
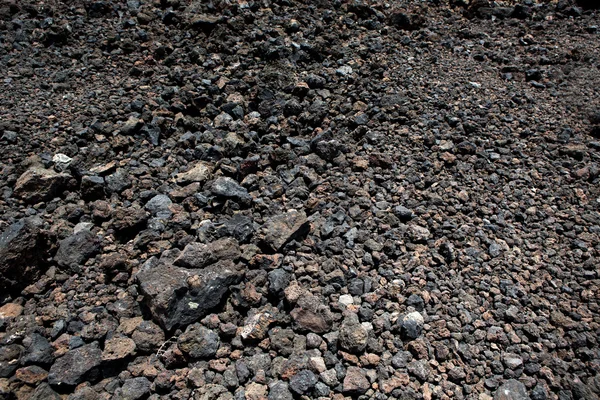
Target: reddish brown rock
{"points": [[355, 382]]}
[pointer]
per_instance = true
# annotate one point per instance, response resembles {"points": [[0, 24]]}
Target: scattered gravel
{"points": [[320, 199]]}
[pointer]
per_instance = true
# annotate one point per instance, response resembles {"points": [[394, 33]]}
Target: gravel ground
{"points": [[236, 199]]}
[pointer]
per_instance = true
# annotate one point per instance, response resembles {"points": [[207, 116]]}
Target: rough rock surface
{"points": [[75, 366], [275, 199], [77, 248], [40, 184], [178, 296], [512, 390], [24, 247], [280, 229]]}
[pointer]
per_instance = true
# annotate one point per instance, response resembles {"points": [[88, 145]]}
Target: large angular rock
{"points": [[198, 342], [179, 296], [281, 229], [229, 188], [38, 350], [118, 348], [75, 366], [411, 325], [199, 255], [353, 336], [44, 392], [511, 390], [135, 388], [312, 315], [24, 247], [40, 184], [76, 249], [10, 357], [200, 172], [355, 382]]}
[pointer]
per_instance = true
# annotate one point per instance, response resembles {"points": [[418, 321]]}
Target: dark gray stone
{"points": [[24, 247], [92, 187], [44, 392], [401, 359], [132, 126], [419, 369], [198, 342], [229, 188], [159, 205], [75, 366], [240, 227], [9, 136], [135, 388], [353, 336], [279, 279], [118, 181], [403, 213], [9, 359], [539, 392], [411, 325], [281, 229], [279, 390], [416, 301], [77, 249], [179, 296], [148, 337], [38, 350], [303, 382]]}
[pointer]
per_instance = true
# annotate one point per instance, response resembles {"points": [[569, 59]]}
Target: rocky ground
{"points": [[238, 199]]}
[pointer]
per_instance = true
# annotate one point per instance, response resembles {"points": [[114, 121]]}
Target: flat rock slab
{"points": [[40, 184], [75, 366], [178, 296], [282, 228]]}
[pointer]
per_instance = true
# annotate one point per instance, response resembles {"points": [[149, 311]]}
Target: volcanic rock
{"points": [[24, 247], [76, 249], [198, 342], [280, 229], [199, 255], [511, 390], [355, 381], [40, 184], [312, 315], [75, 366], [178, 296]]}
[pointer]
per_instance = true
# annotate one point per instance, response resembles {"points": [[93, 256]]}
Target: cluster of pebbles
{"points": [[277, 199]]}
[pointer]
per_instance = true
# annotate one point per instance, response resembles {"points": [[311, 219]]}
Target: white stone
{"points": [[346, 299]]}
